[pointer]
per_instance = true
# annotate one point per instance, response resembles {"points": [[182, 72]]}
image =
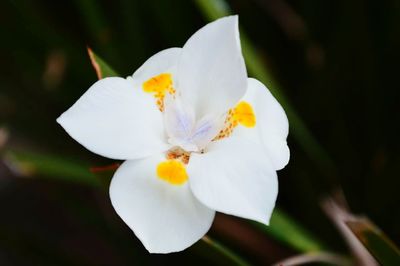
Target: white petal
{"points": [[235, 176], [162, 62], [116, 120], [166, 218], [211, 72], [272, 125]]}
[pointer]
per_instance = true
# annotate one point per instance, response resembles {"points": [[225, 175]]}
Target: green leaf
{"points": [[50, 166], [378, 244], [102, 69], [286, 230], [225, 251]]}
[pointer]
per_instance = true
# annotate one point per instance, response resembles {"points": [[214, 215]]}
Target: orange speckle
{"points": [[242, 114]]}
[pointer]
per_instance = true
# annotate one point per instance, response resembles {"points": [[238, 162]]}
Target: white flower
{"points": [[197, 135]]}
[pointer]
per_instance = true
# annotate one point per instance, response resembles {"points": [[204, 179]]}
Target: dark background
{"points": [[337, 61]]}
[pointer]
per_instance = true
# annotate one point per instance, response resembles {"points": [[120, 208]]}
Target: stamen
{"points": [[178, 154]]}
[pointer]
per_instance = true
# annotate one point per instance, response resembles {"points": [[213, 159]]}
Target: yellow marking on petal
{"points": [[244, 114], [159, 85], [172, 171]]}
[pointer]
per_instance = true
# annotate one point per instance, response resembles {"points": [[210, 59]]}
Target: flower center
{"points": [[178, 153], [184, 132]]}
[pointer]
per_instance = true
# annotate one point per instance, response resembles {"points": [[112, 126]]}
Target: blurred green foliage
{"points": [[382, 248], [335, 62], [102, 69]]}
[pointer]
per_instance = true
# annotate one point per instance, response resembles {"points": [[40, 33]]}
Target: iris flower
{"points": [[196, 134]]}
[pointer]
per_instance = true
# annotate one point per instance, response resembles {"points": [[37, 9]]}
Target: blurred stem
{"points": [[214, 9], [336, 209], [324, 257], [376, 241], [225, 251]]}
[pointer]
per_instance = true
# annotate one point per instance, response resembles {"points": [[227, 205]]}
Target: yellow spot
{"points": [[172, 171], [159, 85], [244, 114]]}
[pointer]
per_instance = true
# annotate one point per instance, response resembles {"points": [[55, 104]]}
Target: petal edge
{"points": [[235, 176], [115, 120], [166, 218], [211, 72]]}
